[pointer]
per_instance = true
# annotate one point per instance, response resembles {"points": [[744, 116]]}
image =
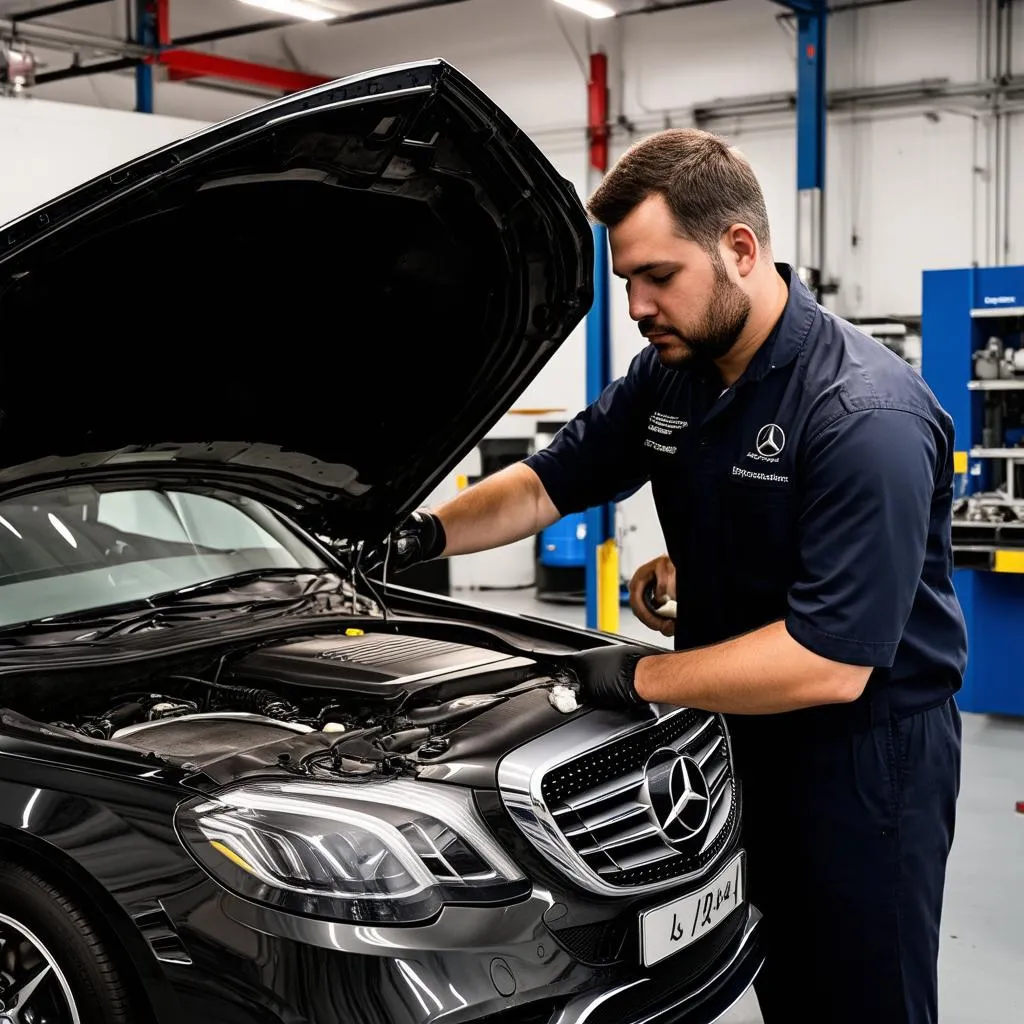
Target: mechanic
{"points": [[802, 476]]}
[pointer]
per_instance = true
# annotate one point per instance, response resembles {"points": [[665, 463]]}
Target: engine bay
{"points": [[353, 705]]}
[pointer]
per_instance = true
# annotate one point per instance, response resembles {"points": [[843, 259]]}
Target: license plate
{"points": [[673, 926]]}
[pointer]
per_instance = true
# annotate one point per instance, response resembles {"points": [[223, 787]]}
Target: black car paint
{"points": [[99, 816], [102, 821], [451, 264]]}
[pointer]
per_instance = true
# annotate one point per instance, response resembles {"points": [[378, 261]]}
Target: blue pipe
{"points": [[145, 33]]}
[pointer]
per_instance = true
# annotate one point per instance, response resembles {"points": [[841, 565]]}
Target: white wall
{"points": [[907, 189], [51, 147]]}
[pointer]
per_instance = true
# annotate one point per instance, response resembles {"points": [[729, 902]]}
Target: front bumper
{"points": [[642, 1001], [471, 966]]}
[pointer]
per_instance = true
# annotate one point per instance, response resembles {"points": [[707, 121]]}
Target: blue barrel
{"points": [[563, 544]]}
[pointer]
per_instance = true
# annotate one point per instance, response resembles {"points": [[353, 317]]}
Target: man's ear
{"points": [[741, 248]]}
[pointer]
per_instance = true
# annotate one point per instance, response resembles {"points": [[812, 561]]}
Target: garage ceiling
{"points": [[229, 27]]}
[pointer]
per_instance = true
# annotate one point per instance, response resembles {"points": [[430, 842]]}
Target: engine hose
{"points": [[263, 702]]}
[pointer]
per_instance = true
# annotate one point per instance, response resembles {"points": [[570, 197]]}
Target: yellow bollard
{"points": [[608, 586]]}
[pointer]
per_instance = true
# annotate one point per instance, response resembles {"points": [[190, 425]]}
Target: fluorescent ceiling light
{"points": [[296, 9], [591, 8]]}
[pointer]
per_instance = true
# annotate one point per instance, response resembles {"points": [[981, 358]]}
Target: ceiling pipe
{"points": [[848, 7], [81, 70], [676, 5], [233, 86], [669, 5], [857, 5], [343, 19], [181, 65], [44, 12], [55, 37]]}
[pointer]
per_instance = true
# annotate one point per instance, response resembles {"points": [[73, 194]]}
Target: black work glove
{"points": [[419, 539], [605, 675]]}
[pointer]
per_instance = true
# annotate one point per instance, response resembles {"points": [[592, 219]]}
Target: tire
{"points": [[44, 926]]}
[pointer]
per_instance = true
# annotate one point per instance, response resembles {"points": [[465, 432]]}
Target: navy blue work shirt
{"points": [[816, 490]]}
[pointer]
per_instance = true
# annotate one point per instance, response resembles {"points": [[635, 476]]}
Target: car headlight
{"points": [[394, 852]]}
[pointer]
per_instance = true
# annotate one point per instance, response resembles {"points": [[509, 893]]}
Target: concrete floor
{"points": [[982, 957]]}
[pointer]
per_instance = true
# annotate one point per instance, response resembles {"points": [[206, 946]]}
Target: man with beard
{"points": [[803, 478]]}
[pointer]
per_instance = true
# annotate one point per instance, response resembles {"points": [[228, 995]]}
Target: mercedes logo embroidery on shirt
{"points": [[771, 439]]}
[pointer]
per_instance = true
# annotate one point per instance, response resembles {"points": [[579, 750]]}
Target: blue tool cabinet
{"points": [[971, 332]]}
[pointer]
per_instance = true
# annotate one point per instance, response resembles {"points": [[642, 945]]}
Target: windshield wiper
{"points": [[182, 606], [101, 627], [181, 614], [240, 579]]}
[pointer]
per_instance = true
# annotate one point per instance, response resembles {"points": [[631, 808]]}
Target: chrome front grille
{"points": [[598, 810]]}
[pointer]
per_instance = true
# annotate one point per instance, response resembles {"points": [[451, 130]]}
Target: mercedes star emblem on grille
{"points": [[676, 794]]}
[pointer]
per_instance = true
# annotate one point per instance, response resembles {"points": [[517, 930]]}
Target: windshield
{"points": [[78, 549]]}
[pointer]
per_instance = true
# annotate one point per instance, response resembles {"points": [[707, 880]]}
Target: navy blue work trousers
{"points": [[849, 819]]}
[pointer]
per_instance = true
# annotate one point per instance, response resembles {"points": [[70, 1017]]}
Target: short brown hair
{"points": [[707, 184]]}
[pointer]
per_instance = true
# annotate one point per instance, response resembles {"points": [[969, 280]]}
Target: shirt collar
{"points": [[789, 335]]}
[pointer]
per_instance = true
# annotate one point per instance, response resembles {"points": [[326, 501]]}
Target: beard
{"points": [[717, 332]]}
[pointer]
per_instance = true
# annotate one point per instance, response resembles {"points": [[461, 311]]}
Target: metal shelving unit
{"points": [[1009, 384], [1011, 456], [996, 312]]}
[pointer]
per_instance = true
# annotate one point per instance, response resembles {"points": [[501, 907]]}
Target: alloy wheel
{"points": [[33, 988]]}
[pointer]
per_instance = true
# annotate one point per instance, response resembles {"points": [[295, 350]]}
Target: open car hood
{"points": [[323, 303]]}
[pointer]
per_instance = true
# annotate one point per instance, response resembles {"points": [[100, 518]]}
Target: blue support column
{"points": [[602, 568], [601, 547], [812, 36], [811, 106], [146, 35]]}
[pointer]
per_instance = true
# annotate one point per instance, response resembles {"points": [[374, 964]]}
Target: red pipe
{"points": [[184, 64], [597, 117], [163, 23]]}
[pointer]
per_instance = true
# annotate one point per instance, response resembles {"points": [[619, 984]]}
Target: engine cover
{"points": [[379, 665], [206, 736]]}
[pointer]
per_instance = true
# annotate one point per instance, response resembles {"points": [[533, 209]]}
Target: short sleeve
{"points": [[597, 457], [869, 480]]}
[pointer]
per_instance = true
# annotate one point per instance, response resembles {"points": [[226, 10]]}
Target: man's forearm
{"points": [[760, 673], [502, 508]]}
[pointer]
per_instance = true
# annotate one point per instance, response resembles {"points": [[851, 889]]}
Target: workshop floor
{"points": [[983, 938]]}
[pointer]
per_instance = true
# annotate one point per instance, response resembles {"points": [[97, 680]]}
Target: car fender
{"points": [[72, 841]]}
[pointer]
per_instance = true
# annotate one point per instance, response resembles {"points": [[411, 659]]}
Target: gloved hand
{"points": [[605, 675], [419, 539]]}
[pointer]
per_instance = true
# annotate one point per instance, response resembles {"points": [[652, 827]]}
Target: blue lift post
{"points": [[601, 518], [146, 35], [811, 106], [602, 561]]}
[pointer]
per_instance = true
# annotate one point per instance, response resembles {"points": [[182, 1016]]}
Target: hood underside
{"points": [[323, 303]]}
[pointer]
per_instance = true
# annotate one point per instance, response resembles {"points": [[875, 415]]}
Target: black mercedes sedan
{"points": [[245, 776]]}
